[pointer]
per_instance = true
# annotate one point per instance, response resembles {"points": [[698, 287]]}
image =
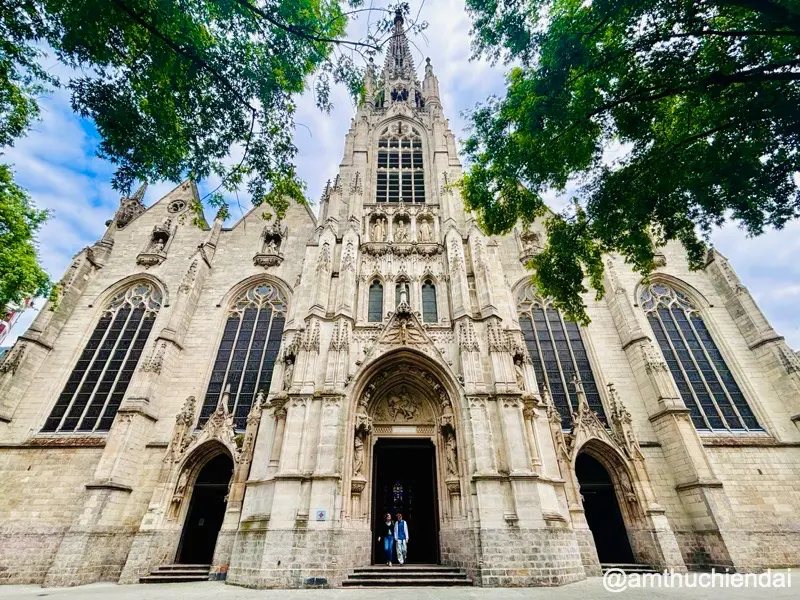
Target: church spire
{"points": [[399, 63]]}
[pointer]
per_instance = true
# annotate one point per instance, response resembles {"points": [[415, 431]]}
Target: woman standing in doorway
{"points": [[386, 531]]}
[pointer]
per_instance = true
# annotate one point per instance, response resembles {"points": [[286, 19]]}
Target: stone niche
{"points": [[272, 239], [158, 245]]}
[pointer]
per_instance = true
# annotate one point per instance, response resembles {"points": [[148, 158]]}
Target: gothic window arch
{"points": [[400, 172], [375, 303], [558, 353], [247, 351], [97, 384], [704, 380], [430, 313]]}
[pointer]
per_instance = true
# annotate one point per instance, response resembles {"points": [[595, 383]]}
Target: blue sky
{"points": [[56, 163]]}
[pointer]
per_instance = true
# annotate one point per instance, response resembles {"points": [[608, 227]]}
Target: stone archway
{"points": [[403, 408], [205, 511]]}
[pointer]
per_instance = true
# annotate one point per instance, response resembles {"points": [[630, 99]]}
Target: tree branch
{"points": [[186, 53], [778, 13]]}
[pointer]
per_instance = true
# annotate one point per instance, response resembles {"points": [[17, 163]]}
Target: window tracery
{"points": [[97, 384], [556, 348], [400, 175], [247, 351], [704, 380], [429, 309]]}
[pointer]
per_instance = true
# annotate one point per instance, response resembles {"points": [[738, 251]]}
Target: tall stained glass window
{"points": [[375, 308], [97, 384], [247, 352], [429, 310], [400, 174], [706, 384], [558, 354]]}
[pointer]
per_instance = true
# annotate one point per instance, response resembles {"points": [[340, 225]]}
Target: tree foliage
{"points": [[20, 274], [698, 100]]}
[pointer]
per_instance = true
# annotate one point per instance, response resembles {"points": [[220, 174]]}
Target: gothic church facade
{"points": [[255, 397]]}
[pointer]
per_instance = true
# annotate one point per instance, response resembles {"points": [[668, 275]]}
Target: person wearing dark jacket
{"points": [[386, 533]]}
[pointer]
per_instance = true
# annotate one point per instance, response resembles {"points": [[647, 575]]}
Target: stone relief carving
{"points": [[424, 230], [402, 231], [451, 455], [324, 260], [130, 208], [378, 230], [272, 238]]}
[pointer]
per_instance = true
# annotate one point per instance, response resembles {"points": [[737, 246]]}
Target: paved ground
{"points": [[585, 590]]}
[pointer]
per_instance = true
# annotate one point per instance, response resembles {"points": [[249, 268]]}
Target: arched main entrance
{"points": [[206, 512], [602, 511]]}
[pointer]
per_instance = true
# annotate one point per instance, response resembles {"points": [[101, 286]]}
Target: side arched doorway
{"points": [[206, 512], [603, 514]]}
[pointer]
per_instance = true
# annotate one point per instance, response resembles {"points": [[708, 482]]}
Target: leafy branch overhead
{"points": [[190, 88], [698, 101]]}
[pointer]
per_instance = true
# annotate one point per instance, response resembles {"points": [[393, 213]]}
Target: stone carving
{"points": [[13, 359], [155, 362], [272, 238], [180, 487], [789, 360], [176, 206], [401, 233], [188, 278], [467, 340], [324, 260], [130, 208], [621, 427], [288, 373], [403, 406], [358, 456], [425, 231], [156, 251], [652, 363], [348, 257], [497, 338], [356, 187], [378, 231], [451, 455], [182, 432], [519, 373]]}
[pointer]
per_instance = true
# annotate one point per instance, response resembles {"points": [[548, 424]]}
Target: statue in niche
{"points": [[451, 454], [358, 456], [158, 246], [272, 247], [378, 233], [180, 489], [288, 374], [519, 373], [401, 234], [425, 232]]}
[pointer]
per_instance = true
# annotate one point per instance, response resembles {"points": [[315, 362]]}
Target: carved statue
{"points": [[451, 454], [519, 373], [401, 234], [288, 373], [402, 405], [425, 233], [158, 246], [272, 247], [358, 456], [180, 489], [379, 230]]}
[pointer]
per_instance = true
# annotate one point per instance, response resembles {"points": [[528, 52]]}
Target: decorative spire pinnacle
{"points": [[130, 207], [399, 63]]}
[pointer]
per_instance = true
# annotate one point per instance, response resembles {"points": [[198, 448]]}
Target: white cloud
{"points": [[56, 163]]}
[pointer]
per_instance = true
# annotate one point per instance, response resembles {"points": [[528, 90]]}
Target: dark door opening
{"points": [[206, 512], [602, 511], [405, 482]]}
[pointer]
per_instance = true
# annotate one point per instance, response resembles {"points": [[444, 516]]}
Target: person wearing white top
{"points": [[401, 538]]}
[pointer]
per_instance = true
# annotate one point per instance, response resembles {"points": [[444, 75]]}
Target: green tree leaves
{"points": [[700, 97]]}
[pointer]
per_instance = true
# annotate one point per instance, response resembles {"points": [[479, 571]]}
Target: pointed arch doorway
{"points": [[206, 512], [602, 510]]}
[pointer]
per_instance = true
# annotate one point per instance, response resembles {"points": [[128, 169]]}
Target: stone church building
{"points": [[255, 396]]}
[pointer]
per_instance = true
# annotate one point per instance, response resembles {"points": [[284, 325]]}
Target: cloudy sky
{"points": [[56, 163]]}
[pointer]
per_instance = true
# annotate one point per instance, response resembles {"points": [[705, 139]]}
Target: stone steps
{"points": [[628, 568], [406, 576], [177, 574]]}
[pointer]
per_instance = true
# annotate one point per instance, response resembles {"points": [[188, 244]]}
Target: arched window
{"points": [[429, 311], [375, 308], [558, 353], [400, 177], [97, 384], [247, 351], [703, 379]]}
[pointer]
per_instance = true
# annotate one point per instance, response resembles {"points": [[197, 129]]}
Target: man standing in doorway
{"points": [[386, 531], [401, 538]]}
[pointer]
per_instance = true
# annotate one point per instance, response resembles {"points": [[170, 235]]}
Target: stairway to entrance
{"points": [[407, 575], [177, 574]]}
